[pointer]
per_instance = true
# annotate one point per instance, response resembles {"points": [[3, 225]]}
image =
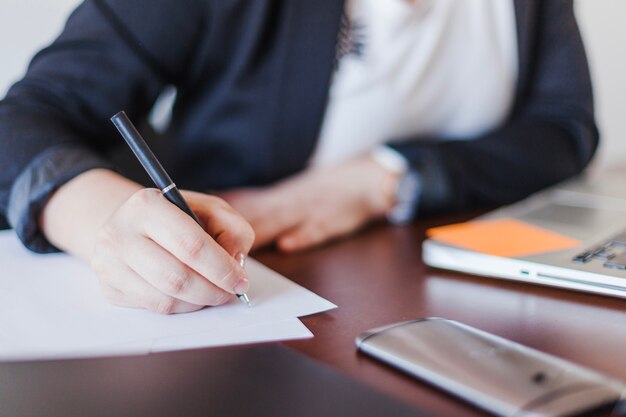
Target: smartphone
{"points": [[493, 373]]}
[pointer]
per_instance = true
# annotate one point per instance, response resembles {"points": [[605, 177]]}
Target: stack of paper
{"points": [[51, 307]]}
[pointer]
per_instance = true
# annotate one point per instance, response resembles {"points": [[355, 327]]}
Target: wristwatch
{"points": [[407, 199], [407, 190]]}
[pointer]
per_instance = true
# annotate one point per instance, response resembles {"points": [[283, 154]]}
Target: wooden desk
{"points": [[379, 278]]}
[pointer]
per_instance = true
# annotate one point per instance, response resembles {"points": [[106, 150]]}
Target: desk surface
{"points": [[379, 278], [202, 382]]}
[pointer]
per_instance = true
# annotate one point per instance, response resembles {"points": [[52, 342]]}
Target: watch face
{"points": [[408, 187], [407, 198]]}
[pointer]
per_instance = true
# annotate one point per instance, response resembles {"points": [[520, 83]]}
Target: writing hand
{"points": [[149, 254]]}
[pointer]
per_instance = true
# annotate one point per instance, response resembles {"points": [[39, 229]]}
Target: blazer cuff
{"points": [[35, 184], [434, 188]]}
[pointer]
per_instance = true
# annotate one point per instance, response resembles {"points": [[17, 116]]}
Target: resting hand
{"points": [[150, 254], [317, 205]]}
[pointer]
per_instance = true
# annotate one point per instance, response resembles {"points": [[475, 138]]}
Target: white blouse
{"points": [[419, 68]]}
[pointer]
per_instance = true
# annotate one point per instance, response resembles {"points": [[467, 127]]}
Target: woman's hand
{"points": [[146, 252], [317, 205], [150, 254]]}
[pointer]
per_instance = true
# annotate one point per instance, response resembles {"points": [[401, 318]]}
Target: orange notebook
{"points": [[502, 237]]}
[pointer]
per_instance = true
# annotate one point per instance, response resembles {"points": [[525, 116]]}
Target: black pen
{"points": [[156, 171]]}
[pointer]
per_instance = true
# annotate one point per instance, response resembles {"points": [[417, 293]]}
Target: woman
{"points": [[313, 118]]}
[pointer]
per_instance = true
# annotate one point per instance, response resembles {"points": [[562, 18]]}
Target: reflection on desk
{"points": [[263, 381]]}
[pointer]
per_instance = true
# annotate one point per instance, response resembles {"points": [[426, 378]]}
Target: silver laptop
{"points": [[591, 210]]}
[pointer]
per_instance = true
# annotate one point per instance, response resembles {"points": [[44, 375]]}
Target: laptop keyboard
{"points": [[612, 253]]}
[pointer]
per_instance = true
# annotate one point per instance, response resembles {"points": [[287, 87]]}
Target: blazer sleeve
{"points": [[54, 124], [551, 134]]}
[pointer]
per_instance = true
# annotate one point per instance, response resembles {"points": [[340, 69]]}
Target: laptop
{"points": [[590, 211]]}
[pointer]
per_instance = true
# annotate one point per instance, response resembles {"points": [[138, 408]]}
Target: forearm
{"points": [[74, 214], [54, 123], [497, 169]]}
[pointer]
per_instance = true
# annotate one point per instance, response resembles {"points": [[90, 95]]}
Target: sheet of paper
{"points": [[502, 237], [51, 305], [288, 329], [263, 332]]}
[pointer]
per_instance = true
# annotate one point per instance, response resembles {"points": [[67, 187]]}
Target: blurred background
{"points": [[27, 25]]}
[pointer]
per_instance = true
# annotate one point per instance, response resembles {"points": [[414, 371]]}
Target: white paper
{"points": [[288, 329], [262, 332], [51, 306]]}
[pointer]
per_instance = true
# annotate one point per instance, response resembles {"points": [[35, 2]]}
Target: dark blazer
{"points": [[253, 79]]}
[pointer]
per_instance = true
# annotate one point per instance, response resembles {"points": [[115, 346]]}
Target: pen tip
{"points": [[244, 299]]}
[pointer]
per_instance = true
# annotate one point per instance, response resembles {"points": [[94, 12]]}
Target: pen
{"points": [[156, 171]]}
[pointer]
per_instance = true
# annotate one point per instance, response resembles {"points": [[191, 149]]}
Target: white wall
{"points": [[26, 25], [603, 24]]}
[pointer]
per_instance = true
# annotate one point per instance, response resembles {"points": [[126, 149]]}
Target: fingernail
{"points": [[242, 286], [241, 258]]}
